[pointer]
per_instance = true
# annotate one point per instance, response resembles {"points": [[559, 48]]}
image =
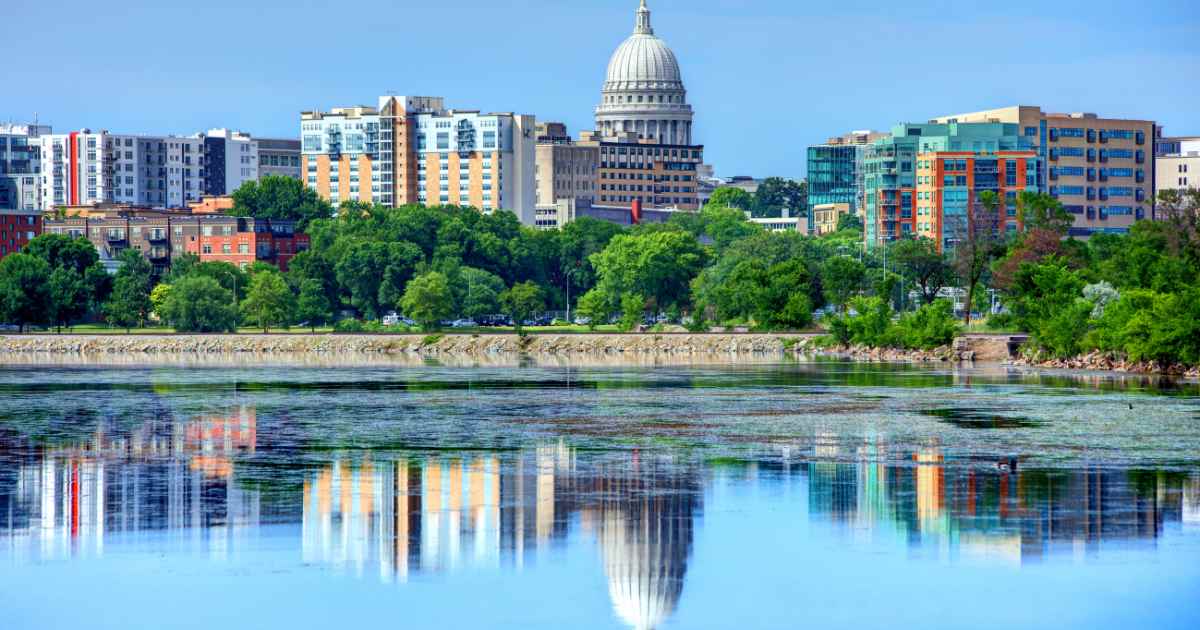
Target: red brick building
{"points": [[242, 241], [17, 228]]}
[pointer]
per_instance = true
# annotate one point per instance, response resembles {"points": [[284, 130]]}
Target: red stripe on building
{"points": [[74, 156]]}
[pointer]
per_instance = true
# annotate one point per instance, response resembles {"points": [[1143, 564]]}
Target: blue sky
{"points": [[766, 77]]}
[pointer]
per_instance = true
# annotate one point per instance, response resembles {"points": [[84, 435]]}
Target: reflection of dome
{"points": [[643, 89], [645, 535]]}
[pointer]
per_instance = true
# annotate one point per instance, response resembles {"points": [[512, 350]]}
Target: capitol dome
{"points": [[643, 89]]}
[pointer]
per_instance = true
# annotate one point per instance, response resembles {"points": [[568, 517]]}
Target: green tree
{"points": [[158, 299], [370, 270], [730, 197], [269, 302], [776, 194], [428, 300], [313, 304], [69, 299], [850, 222], [24, 290], [842, 277], [633, 309], [1041, 211], [478, 292], [129, 305], [657, 265], [595, 307], [198, 303], [58, 250], [521, 302], [920, 261], [280, 197]]}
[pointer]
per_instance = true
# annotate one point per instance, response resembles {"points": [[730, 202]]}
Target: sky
{"points": [[766, 78]]}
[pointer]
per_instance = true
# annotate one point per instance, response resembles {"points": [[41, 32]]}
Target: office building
{"points": [[412, 150], [644, 126], [1101, 169], [564, 169], [949, 182], [891, 179], [279, 157], [1177, 165], [835, 171], [20, 166]]}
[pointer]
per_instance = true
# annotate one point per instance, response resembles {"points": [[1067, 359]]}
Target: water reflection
{"points": [[188, 472]]}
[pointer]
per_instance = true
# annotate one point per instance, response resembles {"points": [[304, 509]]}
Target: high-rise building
{"points": [[1177, 164], [20, 166], [948, 182], [644, 126], [892, 207], [1101, 169], [86, 167], [835, 171], [413, 150], [230, 160]]}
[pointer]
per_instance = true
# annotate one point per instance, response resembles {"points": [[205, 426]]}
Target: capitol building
{"points": [[640, 156], [643, 90]]}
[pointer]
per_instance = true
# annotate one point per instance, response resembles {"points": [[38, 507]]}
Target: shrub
{"points": [[929, 327]]}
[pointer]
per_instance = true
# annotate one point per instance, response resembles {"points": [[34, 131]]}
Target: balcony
{"points": [[115, 237], [157, 236]]}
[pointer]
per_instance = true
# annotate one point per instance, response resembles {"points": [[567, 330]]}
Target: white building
{"points": [[1179, 168], [85, 168], [230, 160]]}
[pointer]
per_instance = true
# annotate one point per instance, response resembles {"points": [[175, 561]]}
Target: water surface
{"points": [[805, 494]]}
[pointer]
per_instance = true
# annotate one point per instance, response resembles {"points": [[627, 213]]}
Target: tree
{"points": [[158, 299], [478, 292], [730, 197], [370, 270], [129, 305], [58, 250], [578, 240], [633, 308], [851, 222], [69, 299], [842, 277], [1041, 211], [595, 308], [198, 303], [776, 194], [657, 265], [269, 301], [280, 197], [24, 292], [428, 300], [920, 261], [976, 244], [313, 305], [521, 302]]}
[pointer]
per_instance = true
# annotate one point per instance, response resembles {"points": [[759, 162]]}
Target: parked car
{"points": [[463, 323]]}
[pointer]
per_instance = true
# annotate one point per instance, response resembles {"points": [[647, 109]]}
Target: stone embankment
{"points": [[1102, 361], [410, 345]]}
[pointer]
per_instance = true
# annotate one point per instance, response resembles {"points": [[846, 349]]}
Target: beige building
{"points": [[827, 215], [1178, 169], [1101, 169], [412, 150], [565, 169]]}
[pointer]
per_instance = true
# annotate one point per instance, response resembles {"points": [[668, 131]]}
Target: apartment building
{"points": [[85, 167], [414, 150], [657, 175], [1101, 169], [20, 166], [949, 182], [17, 228], [1177, 164], [230, 160], [891, 178]]}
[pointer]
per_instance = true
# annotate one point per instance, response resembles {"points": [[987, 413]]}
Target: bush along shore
{"points": [[1106, 361]]}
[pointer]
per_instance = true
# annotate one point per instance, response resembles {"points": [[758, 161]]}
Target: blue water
{"points": [[812, 494]]}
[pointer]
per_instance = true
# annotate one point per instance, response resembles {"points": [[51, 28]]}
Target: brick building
{"points": [[17, 228]]}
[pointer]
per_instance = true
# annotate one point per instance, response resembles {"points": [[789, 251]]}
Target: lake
{"points": [[823, 494]]}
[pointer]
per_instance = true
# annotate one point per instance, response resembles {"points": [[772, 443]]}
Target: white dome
{"points": [[643, 62]]}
